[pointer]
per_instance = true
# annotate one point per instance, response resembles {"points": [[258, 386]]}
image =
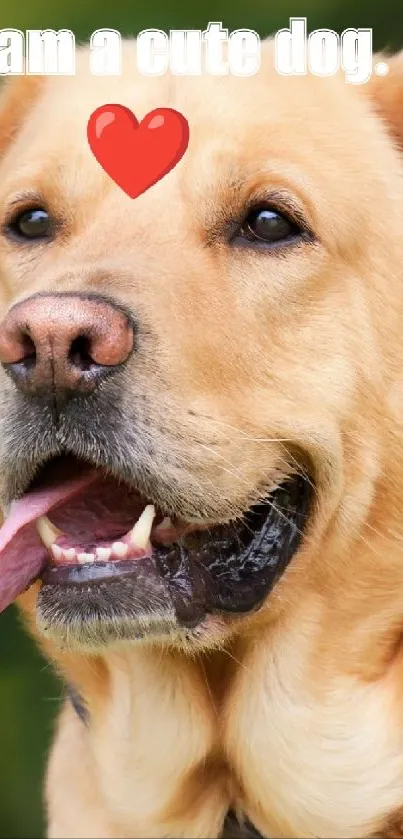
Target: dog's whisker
{"points": [[228, 462], [388, 534], [208, 688], [237, 661]]}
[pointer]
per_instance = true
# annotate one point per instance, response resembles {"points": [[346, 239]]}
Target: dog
{"points": [[201, 452]]}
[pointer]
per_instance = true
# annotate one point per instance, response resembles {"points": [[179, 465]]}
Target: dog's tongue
{"points": [[22, 554]]}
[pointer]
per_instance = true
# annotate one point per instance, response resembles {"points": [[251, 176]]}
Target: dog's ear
{"points": [[386, 92], [16, 98]]}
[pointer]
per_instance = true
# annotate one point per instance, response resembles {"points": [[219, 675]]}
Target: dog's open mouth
{"points": [[102, 551]]}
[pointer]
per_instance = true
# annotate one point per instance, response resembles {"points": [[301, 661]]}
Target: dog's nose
{"points": [[64, 343]]}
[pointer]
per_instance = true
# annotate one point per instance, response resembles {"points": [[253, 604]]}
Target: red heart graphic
{"points": [[137, 155]]}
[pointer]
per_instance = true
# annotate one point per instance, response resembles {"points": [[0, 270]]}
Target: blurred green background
{"points": [[29, 693]]}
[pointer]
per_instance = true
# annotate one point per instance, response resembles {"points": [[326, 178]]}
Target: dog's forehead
{"points": [[253, 116]]}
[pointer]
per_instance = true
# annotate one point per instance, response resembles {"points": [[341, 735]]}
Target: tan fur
{"points": [[294, 715]]}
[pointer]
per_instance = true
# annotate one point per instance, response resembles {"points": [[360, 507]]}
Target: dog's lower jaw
{"points": [[182, 592]]}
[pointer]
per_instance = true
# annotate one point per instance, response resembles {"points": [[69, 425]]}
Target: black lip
{"points": [[191, 579]]}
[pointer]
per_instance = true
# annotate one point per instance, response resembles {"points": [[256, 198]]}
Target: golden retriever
{"points": [[217, 364]]}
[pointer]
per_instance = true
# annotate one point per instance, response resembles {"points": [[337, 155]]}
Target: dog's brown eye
{"points": [[267, 225], [32, 224]]}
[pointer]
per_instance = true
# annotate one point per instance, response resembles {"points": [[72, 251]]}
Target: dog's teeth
{"points": [[104, 554], [70, 554], [84, 558], [56, 551], [47, 531], [120, 549], [140, 534]]}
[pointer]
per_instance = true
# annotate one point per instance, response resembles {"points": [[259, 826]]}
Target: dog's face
{"points": [[237, 382]]}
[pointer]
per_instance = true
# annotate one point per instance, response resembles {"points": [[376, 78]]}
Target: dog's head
{"points": [[216, 360]]}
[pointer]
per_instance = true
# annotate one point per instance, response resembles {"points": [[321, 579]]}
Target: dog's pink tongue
{"points": [[22, 554]]}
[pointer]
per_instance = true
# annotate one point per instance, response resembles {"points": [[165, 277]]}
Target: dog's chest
{"points": [[307, 764], [312, 760]]}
